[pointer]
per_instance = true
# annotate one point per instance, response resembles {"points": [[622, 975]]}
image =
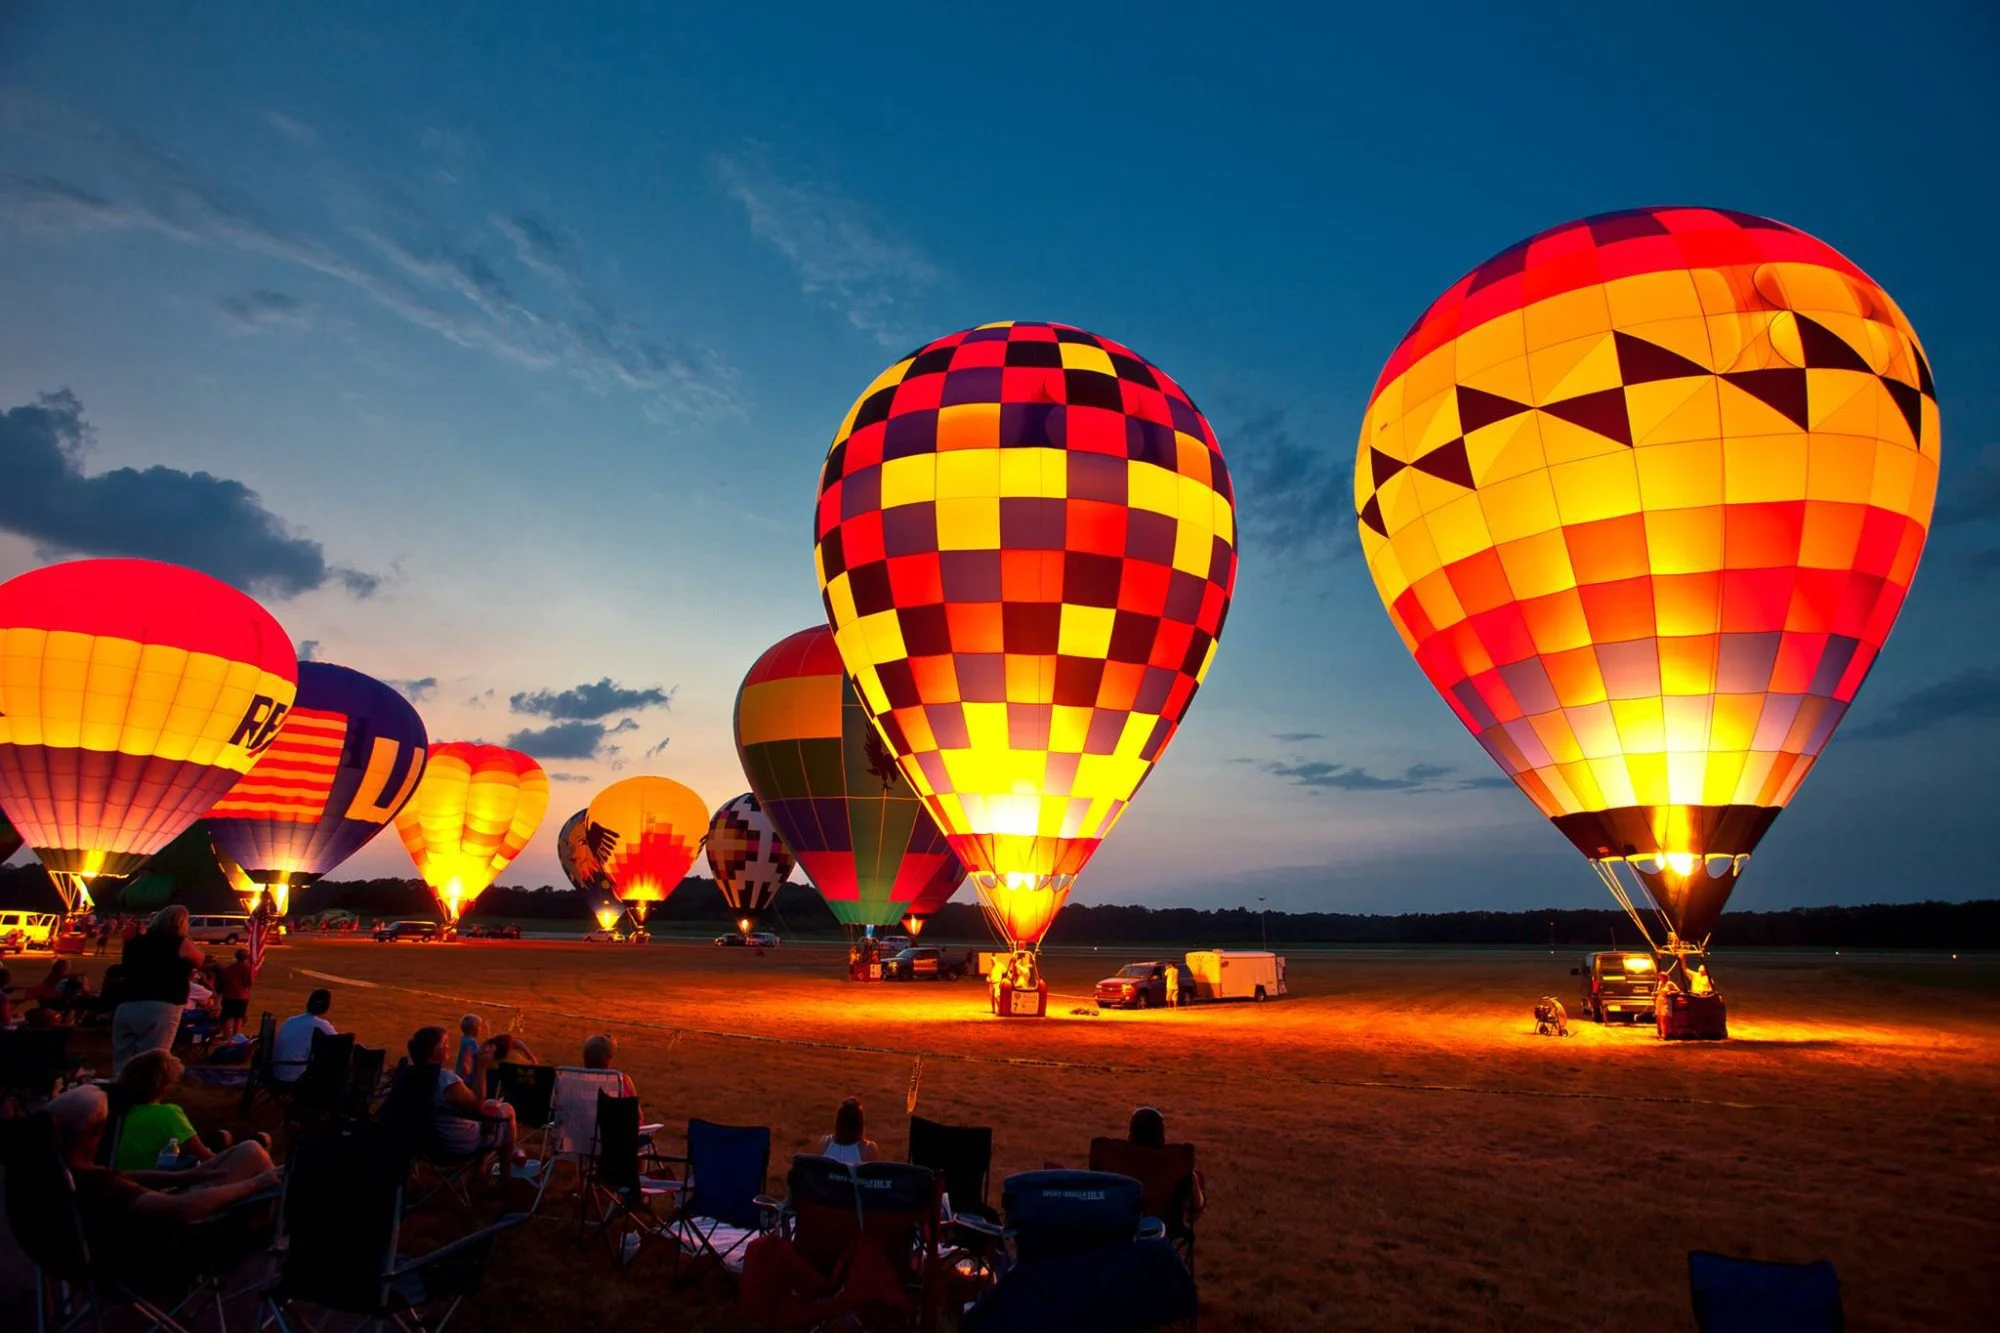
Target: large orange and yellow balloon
{"points": [[1026, 547], [1643, 495], [651, 829], [133, 695], [475, 809]]}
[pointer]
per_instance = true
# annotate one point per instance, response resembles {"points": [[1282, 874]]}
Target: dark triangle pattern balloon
{"points": [[350, 754], [747, 856]]}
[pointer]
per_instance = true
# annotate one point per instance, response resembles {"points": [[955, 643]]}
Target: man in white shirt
{"points": [[292, 1046]]}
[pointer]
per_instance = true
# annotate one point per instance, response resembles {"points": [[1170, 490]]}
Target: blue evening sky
{"points": [[498, 346]]}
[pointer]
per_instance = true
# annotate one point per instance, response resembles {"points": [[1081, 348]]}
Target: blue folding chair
{"points": [[1081, 1256], [1751, 1296], [722, 1204]]}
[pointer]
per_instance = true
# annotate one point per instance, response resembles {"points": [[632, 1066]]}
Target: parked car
{"points": [[756, 939], [479, 932], [891, 945], [233, 928], [1137, 986], [605, 937], [35, 930], [422, 931], [1618, 986], [922, 962], [730, 941]]}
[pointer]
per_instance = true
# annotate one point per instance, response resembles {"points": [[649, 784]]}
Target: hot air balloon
{"points": [[472, 813], [133, 695], [1026, 548], [934, 895], [585, 872], [650, 830], [350, 754], [822, 774], [749, 860], [1643, 495]]}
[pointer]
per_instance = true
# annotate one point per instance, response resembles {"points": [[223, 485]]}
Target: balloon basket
{"points": [[1021, 1001], [1681, 1016]]}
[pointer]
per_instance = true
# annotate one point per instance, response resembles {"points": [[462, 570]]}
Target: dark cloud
{"points": [[1295, 500], [1417, 779], [570, 740], [661, 748], [206, 522], [416, 691], [589, 701], [569, 777], [308, 650], [1294, 737], [261, 311], [1970, 694]]}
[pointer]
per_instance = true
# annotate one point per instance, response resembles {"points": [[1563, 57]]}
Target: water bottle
{"points": [[170, 1156]]}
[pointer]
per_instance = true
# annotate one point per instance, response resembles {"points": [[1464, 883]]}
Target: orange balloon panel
{"points": [[1026, 547], [133, 696], [655, 827], [1643, 495], [476, 808]]}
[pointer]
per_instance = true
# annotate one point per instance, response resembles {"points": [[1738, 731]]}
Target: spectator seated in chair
{"points": [[598, 1053], [462, 1124], [849, 1143], [151, 1122], [291, 1048], [151, 1215]]}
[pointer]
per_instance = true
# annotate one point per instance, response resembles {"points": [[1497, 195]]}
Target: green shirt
{"points": [[147, 1129]]}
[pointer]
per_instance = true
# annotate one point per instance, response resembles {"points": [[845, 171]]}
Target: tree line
{"points": [[800, 910]]}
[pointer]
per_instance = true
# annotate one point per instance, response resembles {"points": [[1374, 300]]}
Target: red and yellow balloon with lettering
{"points": [[475, 809], [1643, 495], [651, 829], [1026, 544], [133, 696]]}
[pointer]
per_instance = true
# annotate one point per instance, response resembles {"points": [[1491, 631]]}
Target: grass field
{"points": [[1389, 1148]]}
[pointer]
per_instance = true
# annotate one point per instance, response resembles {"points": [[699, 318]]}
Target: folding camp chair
{"points": [[364, 1081], [75, 1287], [900, 1208], [1167, 1175], [1083, 1258], [719, 1212], [409, 1116], [261, 1078], [34, 1064], [531, 1091], [963, 1156], [615, 1178], [1749, 1296], [342, 1218], [571, 1128], [318, 1094]]}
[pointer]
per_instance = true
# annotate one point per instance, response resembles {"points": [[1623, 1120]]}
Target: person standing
{"points": [[1173, 985], [158, 966], [232, 984]]}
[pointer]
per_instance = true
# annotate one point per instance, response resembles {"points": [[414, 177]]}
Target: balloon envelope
{"points": [[133, 695], [650, 829], [585, 872], [1643, 495], [475, 809], [1026, 548], [10, 841], [747, 857], [349, 756], [822, 774], [934, 894]]}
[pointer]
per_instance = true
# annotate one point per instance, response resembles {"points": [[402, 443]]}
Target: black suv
{"points": [[406, 930], [1618, 986], [923, 963]]}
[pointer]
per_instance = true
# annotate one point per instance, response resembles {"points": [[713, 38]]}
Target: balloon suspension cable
{"points": [[1609, 875]]}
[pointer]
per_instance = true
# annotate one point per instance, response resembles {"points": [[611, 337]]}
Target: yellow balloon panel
{"points": [[474, 811]]}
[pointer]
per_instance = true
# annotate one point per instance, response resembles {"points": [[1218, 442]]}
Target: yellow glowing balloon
{"points": [[474, 811], [654, 828]]}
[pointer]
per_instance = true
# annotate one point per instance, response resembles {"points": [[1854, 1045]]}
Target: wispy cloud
{"points": [[653, 751], [262, 311], [1973, 694], [570, 777], [308, 650], [1294, 737], [290, 128], [1417, 779], [1974, 497], [590, 701], [429, 274], [841, 254], [416, 691], [480, 700], [210, 523], [571, 740], [1296, 497]]}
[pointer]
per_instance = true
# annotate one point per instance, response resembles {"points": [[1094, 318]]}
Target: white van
{"points": [[1236, 974], [27, 930], [219, 929]]}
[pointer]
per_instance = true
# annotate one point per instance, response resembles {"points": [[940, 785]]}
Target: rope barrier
{"points": [[677, 1031]]}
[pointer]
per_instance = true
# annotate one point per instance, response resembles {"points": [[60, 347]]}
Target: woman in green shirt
{"points": [[151, 1122]]}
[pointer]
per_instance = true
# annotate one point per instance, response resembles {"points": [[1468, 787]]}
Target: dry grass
{"points": [[1390, 1148]]}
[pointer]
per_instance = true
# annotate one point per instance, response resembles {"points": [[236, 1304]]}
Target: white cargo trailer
{"points": [[1236, 974]]}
